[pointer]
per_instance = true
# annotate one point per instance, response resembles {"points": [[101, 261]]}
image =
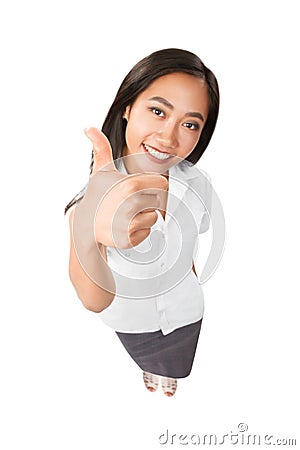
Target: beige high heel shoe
{"points": [[169, 386], [151, 381]]}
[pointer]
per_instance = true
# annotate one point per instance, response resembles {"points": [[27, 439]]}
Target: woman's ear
{"points": [[126, 113]]}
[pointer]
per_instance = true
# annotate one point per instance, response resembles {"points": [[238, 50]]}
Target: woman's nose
{"points": [[167, 136]]}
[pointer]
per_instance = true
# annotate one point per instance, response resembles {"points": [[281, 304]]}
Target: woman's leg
{"points": [[169, 386], [151, 381]]}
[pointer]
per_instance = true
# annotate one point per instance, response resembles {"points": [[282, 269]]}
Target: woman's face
{"points": [[167, 119]]}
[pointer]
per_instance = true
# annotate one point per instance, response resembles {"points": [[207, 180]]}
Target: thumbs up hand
{"points": [[121, 206], [102, 151]]}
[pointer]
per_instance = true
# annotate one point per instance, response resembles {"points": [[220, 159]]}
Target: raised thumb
{"points": [[102, 151]]}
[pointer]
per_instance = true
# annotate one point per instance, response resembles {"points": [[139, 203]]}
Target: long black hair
{"points": [[147, 70]]}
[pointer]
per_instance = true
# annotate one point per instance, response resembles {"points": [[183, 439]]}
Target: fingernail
{"points": [[87, 130]]}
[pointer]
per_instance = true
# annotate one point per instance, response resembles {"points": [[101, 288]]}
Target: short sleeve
{"points": [[206, 195], [77, 199]]}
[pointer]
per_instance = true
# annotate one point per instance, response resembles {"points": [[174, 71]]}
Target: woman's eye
{"points": [[157, 112], [191, 126]]}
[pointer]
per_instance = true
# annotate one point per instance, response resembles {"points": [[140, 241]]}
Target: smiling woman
{"points": [[142, 75], [165, 112], [168, 117]]}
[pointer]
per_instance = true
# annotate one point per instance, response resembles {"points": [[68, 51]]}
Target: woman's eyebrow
{"points": [[169, 105], [195, 114], [162, 100]]}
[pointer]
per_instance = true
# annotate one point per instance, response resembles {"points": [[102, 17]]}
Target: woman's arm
{"points": [[93, 297], [93, 223]]}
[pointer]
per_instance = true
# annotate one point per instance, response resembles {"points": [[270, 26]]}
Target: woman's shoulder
{"points": [[189, 172]]}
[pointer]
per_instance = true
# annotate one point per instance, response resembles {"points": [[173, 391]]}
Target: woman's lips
{"points": [[155, 154], [154, 148]]}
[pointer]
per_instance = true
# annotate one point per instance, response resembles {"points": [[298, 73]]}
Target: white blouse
{"points": [[156, 288]]}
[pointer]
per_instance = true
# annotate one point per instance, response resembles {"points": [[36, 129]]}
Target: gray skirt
{"points": [[169, 355]]}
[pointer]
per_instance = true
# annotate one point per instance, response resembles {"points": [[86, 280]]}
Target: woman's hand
{"points": [[122, 206]]}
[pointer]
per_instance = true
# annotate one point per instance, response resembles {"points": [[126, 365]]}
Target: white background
{"points": [[66, 381]]}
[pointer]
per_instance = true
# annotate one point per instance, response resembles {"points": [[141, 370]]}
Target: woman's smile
{"points": [[155, 154], [166, 120]]}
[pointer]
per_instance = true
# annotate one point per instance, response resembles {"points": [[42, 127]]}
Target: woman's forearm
{"points": [[94, 297]]}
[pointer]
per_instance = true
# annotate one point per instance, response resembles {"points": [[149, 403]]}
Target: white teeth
{"points": [[156, 154]]}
